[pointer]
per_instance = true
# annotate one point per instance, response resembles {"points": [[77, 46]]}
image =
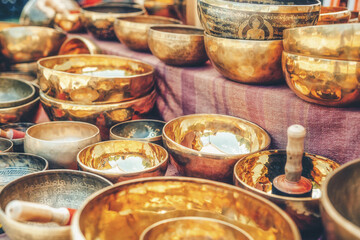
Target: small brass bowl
{"points": [[59, 142], [15, 92], [20, 126], [85, 79], [194, 228], [79, 45], [56, 188], [99, 20], [256, 172], [29, 43], [121, 160], [69, 22], [322, 81], [255, 19], [339, 203], [133, 31], [178, 45], [334, 15], [246, 61], [6, 145], [209, 145]]}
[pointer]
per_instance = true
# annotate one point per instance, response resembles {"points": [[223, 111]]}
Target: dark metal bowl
{"points": [[15, 92]]}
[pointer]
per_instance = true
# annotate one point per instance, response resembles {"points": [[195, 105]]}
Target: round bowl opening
{"points": [[15, 92], [138, 129]]}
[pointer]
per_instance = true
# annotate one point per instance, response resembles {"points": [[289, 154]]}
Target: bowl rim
{"points": [[321, 59], [90, 45], [339, 11], [39, 28], [9, 148], [21, 106], [255, 41], [85, 12], [28, 154], [129, 20], [315, 28], [23, 100], [157, 30]]}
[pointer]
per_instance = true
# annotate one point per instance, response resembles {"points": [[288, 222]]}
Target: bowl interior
{"points": [[12, 91], [113, 9], [150, 20], [179, 30], [5, 144], [138, 129]]}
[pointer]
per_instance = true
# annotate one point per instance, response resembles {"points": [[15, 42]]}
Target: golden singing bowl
{"points": [[56, 188], [255, 19], [334, 15], [194, 228], [60, 142], [339, 203], [133, 31], [127, 209], [322, 81], [6, 145], [167, 8], [79, 45], [246, 61], [209, 145], [178, 45], [256, 172], [29, 43], [121, 160], [85, 79], [15, 92], [69, 22]]}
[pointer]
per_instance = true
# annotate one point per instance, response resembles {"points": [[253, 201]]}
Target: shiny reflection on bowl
{"points": [[15, 92], [6, 145], [79, 45]]}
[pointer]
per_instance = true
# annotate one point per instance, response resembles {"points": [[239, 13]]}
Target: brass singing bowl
{"points": [[322, 81], [19, 126], [86, 79], [30, 43], [6, 145], [337, 41], [15, 92], [255, 19], [256, 172], [246, 61], [178, 45], [69, 22], [339, 203], [209, 145], [194, 228], [133, 31], [79, 45], [59, 142], [333, 15], [56, 188]]}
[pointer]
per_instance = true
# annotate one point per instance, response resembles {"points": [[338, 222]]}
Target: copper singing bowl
{"points": [[339, 204], [178, 45], [209, 145], [60, 142], [341, 42], [334, 15], [28, 44], [69, 22], [194, 228], [6, 145], [246, 61], [127, 209], [15, 92], [79, 45], [255, 19], [257, 171], [133, 31], [322, 81], [85, 79], [56, 188]]}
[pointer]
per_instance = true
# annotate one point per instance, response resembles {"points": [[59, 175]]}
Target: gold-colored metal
{"points": [[178, 45], [4, 25], [246, 61], [79, 45], [133, 31], [167, 8], [209, 145], [339, 203], [354, 17], [194, 228], [15, 92], [56, 188], [6, 145], [98, 79], [69, 22], [122, 160], [29, 43], [322, 81], [59, 142], [30, 68], [255, 19], [334, 15], [24, 112], [256, 172]]}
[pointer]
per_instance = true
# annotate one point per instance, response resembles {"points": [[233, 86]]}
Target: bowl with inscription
{"points": [[19, 126], [15, 92], [6, 145], [334, 15]]}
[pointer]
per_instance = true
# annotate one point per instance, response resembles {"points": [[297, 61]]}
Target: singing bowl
{"points": [[339, 204], [256, 172], [133, 31], [95, 78], [194, 228], [246, 61], [60, 142], [178, 45], [6, 145], [322, 81], [166, 8], [69, 22], [255, 19], [334, 15], [79, 45], [209, 145], [15, 92], [20, 126], [121, 160], [30, 43], [56, 188]]}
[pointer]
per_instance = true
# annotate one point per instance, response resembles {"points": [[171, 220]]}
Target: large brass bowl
{"points": [[6, 145], [333, 15], [339, 204], [255, 19], [256, 172], [246, 61], [322, 81], [94, 78], [29, 43], [79, 45], [125, 210], [56, 188], [15, 92], [209, 145]]}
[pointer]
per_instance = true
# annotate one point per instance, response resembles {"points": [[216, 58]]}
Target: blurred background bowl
{"points": [[167, 8], [19, 75], [209, 145], [20, 126], [79, 45], [69, 22], [15, 92], [6, 145], [334, 15], [56, 188], [30, 68], [354, 18]]}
